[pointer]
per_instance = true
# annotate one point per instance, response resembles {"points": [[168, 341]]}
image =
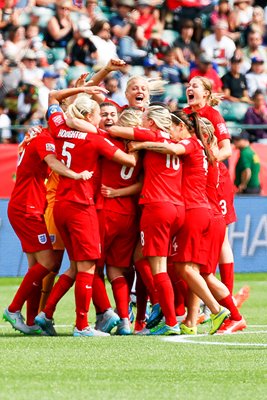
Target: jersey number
{"points": [[223, 206], [126, 174], [172, 162], [66, 153]]}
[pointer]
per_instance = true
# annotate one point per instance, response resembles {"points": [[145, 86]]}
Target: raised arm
{"points": [[57, 96]]}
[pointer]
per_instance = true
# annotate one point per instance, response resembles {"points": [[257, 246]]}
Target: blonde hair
{"points": [[131, 116], [213, 98], [161, 116], [82, 106]]}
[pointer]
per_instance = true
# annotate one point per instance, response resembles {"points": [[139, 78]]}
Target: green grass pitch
{"points": [[132, 368]]}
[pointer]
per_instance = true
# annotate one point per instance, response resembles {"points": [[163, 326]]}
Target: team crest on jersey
{"points": [[50, 147], [58, 120], [42, 238], [53, 238]]}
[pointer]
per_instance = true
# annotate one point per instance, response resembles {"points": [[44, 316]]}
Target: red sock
{"points": [[141, 298], [83, 295], [227, 275], [99, 295], [33, 302], [180, 290], [63, 284], [32, 279], [143, 267], [228, 303], [166, 297], [121, 296]]}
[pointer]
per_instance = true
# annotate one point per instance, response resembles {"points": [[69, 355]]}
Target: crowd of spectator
{"points": [[46, 44]]}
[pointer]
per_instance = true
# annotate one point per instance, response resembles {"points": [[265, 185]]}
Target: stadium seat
{"points": [[169, 35], [56, 53], [75, 72], [234, 128], [137, 70], [233, 111], [174, 91]]}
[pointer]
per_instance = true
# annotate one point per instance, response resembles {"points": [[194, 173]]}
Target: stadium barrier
{"points": [[248, 237]]}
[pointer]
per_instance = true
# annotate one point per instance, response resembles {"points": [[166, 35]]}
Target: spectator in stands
{"points": [[151, 71], [257, 23], [223, 11], [81, 50], [10, 77], [60, 27], [243, 11], [186, 47], [15, 45], [61, 68], [128, 49], [257, 77], [247, 170], [218, 45], [257, 115], [234, 83], [157, 46], [93, 12], [114, 92], [49, 83], [9, 17], [30, 73], [123, 19], [5, 122], [101, 38], [170, 70], [254, 48], [148, 17], [205, 68]]}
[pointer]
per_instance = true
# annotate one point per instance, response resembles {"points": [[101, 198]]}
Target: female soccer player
{"points": [[162, 207], [192, 240], [26, 215], [74, 210]]}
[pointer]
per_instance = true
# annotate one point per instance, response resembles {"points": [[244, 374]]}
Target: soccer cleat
{"points": [[163, 329], [217, 319], [206, 314], [46, 324], [139, 326], [186, 330], [107, 321], [17, 321], [155, 316], [241, 296], [36, 330], [231, 326], [148, 309], [88, 331], [123, 327], [181, 318], [131, 313]]}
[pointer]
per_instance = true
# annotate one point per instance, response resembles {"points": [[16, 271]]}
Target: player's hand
{"points": [[108, 191], [84, 175], [81, 81], [114, 64], [133, 146], [95, 90]]}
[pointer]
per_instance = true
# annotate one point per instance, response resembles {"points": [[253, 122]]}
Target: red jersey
{"points": [[29, 193], [79, 151], [163, 173], [119, 176], [194, 176], [212, 187], [221, 131]]}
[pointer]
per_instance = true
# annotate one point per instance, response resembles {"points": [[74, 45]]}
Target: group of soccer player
{"points": [[142, 192]]}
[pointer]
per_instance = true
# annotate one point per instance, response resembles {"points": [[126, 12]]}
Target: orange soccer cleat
{"points": [[231, 326], [241, 296]]}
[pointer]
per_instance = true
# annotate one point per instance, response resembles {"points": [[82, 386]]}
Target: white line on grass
{"points": [[189, 339]]}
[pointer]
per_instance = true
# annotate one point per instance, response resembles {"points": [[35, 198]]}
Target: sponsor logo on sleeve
{"points": [[50, 147], [58, 120], [222, 128]]}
